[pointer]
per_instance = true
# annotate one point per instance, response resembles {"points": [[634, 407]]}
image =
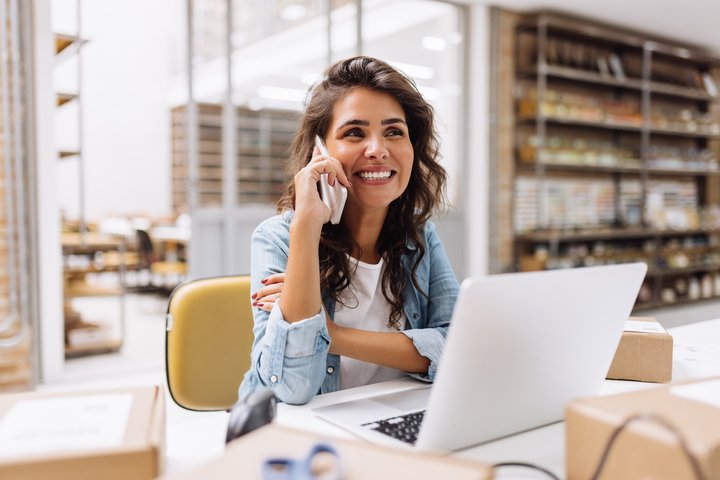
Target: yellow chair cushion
{"points": [[208, 341]]}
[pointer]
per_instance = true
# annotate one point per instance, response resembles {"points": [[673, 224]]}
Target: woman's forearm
{"points": [[301, 295], [392, 349]]}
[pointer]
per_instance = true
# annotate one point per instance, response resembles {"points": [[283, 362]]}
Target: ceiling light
{"points": [[281, 93], [293, 12], [309, 78], [434, 43], [420, 72], [455, 38]]}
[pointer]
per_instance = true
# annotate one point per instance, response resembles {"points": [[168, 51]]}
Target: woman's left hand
{"points": [[266, 297]]}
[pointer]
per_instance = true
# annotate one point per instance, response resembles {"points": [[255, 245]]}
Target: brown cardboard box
{"points": [[644, 353], [244, 457], [78, 419], [645, 448]]}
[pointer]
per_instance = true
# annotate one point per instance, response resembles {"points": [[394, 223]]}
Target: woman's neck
{"points": [[365, 228]]}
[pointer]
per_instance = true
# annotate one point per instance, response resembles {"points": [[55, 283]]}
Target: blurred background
{"points": [[143, 141]]}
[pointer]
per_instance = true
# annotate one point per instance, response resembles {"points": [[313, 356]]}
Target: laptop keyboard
{"points": [[403, 427]]}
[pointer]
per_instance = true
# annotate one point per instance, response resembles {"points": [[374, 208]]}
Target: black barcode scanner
{"points": [[256, 410]]}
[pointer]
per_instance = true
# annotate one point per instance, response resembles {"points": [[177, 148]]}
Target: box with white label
{"points": [[664, 432], [109, 434], [644, 353]]}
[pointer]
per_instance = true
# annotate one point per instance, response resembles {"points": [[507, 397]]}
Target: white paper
{"points": [[643, 327], [89, 422], [705, 392]]}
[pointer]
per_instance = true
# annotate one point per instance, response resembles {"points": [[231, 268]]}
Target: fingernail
{"points": [[253, 296], [260, 304], [264, 281]]}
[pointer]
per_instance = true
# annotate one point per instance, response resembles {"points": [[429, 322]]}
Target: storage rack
{"points": [[263, 140], [631, 124]]}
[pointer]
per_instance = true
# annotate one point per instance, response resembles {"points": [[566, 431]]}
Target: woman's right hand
{"points": [[308, 203], [270, 293]]}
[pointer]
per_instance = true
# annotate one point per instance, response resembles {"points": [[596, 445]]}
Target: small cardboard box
{"points": [[115, 434], [644, 353], [245, 456], [646, 447]]}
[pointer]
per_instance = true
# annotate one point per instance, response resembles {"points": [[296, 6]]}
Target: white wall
{"points": [[49, 266], [476, 186], [127, 68]]}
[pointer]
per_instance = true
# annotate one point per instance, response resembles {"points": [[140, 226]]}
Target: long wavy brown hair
{"points": [[424, 195]]}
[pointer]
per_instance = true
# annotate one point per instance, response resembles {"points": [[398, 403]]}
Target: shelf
{"points": [[683, 172], [612, 125], [587, 168], [63, 154], [580, 168], [63, 98], [665, 272], [93, 348], [569, 73], [75, 290], [680, 92], [65, 43], [678, 132], [632, 127], [607, 234], [584, 29], [595, 78]]}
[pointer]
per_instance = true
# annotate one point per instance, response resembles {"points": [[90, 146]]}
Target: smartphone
{"points": [[333, 196]]}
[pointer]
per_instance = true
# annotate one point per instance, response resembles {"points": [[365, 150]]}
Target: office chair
{"points": [[163, 270], [208, 340]]}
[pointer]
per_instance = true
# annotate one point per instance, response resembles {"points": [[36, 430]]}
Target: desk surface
{"points": [[696, 355]]}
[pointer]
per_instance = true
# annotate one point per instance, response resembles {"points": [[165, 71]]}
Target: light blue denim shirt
{"points": [[293, 359]]}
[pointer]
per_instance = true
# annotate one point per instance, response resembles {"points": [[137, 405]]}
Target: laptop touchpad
{"points": [[407, 400]]}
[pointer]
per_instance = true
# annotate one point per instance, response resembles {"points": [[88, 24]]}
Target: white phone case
{"points": [[332, 196]]}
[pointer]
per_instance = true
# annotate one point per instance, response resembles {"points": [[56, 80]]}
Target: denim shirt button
{"points": [[415, 315], [273, 378], [330, 370]]}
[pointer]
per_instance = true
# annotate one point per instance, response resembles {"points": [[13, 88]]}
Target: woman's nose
{"points": [[376, 149]]}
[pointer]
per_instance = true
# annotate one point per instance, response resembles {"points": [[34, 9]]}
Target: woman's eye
{"points": [[354, 132], [395, 132]]}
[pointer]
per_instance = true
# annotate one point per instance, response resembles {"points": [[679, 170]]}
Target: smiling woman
{"points": [[370, 298]]}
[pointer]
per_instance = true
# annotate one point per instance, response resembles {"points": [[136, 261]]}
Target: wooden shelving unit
{"points": [[263, 139], [82, 248], [616, 141], [83, 254]]}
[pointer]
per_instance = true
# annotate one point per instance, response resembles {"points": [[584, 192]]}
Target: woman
{"points": [[368, 299]]}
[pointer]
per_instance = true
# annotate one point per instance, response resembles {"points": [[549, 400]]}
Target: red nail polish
{"points": [[263, 281], [253, 296], [260, 304]]}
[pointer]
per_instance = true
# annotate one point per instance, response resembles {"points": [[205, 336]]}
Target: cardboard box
{"points": [[91, 434], [644, 353], [645, 448], [245, 456]]}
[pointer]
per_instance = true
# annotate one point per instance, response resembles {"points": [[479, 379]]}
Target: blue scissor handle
{"points": [[300, 469]]}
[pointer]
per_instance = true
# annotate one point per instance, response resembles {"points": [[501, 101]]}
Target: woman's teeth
{"points": [[374, 175]]}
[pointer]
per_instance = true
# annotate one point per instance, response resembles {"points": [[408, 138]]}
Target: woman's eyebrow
{"points": [[389, 121], [365, 123]]}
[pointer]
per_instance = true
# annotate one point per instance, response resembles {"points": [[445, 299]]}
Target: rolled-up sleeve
{"points": [[439, 282], [288, 358]]}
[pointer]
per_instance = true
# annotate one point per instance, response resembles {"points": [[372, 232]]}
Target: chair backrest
{"points": [[208, 340]]}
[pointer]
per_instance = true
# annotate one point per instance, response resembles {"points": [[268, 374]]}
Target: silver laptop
{"points": [[519, 348]]}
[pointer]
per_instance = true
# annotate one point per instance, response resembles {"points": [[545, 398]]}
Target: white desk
{"points": [[696, 355]]}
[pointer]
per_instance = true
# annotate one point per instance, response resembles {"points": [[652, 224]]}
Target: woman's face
{"points": [[369, 135]]}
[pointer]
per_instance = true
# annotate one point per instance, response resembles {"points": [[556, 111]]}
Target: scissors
{"points": [[301, 469]]}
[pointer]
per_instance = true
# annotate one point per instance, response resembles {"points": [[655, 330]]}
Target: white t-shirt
{"points": [[367, 309]]}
